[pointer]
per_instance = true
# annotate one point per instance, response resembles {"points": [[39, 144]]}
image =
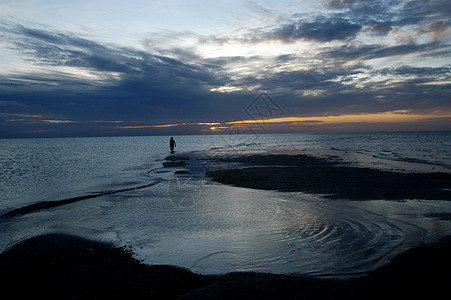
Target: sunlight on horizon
{"points": [[390, 117]]}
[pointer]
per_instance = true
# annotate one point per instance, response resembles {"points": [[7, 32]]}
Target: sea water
{"points": [[212, 228]]}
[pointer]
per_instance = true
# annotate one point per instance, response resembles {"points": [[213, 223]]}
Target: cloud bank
{"points": [[343, 58]]}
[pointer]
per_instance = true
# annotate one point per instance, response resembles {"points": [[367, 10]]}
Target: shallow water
{"points": [[234, 229], [188, 221]]}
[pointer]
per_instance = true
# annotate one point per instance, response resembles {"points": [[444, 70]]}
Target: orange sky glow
{"points": [[397, 116]]}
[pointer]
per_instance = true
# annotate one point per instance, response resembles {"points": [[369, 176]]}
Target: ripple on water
{"points": [[312, 237], [235, 229]]}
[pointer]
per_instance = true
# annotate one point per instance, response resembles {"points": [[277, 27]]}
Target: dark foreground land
{"points": [[58, 266], [302, 173]]}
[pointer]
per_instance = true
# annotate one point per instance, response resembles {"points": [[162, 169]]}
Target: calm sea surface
{"points": [[211, 228]]}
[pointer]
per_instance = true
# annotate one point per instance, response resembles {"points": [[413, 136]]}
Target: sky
{"points": [[119, 68]]}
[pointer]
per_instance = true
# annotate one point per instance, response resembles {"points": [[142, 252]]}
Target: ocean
{"points": [[131, 200]]}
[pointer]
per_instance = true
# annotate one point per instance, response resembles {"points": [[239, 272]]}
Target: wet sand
{"points": [[301, 173], [50, 204], [58, 266]]}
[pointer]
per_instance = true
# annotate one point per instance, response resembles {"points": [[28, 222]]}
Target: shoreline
{"points": [[302, 173], [50, 204], [295, 173], [60, 266]]}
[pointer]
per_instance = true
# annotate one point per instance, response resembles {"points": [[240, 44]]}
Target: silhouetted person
{"points": [[172, 144]]}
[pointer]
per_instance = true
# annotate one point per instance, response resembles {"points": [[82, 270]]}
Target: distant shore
{"points": [[302, 173], [58, 266]]}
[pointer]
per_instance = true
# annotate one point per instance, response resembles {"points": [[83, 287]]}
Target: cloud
{"points": [[60, 49], [373, 51], [86, 80], [322, 30], [380, 28], [408, 70], [85, 87], [343, 20], [382, 17]]}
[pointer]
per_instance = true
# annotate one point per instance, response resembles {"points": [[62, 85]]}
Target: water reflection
{"points": [[236, 229]]}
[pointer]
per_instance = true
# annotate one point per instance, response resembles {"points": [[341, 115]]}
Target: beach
{"points": [[302, 173], [256, 223]]}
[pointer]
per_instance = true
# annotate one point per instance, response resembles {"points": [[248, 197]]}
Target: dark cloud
{"points": [[383, 16], [372, 51], [426, 71], [126, 84], [321, 30], [339, 4], [60, 49], [380, 28], [419, 11], [345, 19]]}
